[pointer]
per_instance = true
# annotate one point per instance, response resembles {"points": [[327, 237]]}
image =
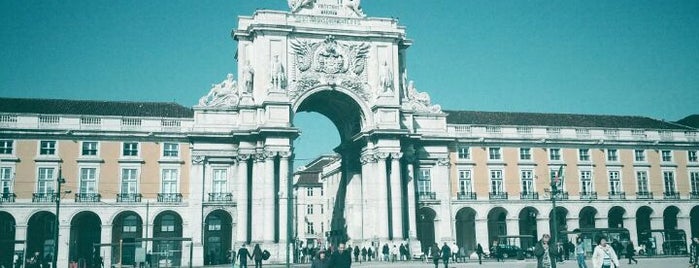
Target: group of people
{"points": [[366, 253], [444, 254], [603, 256], [335, 258], [258, 255]]}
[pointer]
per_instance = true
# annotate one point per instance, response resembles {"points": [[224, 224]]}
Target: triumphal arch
{"points": [[322, 56]]}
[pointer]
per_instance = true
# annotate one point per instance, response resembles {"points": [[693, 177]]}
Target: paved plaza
{"points": [[530, 263]]}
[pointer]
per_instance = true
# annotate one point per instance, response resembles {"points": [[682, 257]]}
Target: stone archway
{"points": [[497, 224], [217, 237], [7, 238], [425, 227], [560, 221], [167, 229], [466, 229], [128, 226], [670, 217], [85, 232], [587, 217], [527, 226], [41, 230], [694, 221], [643, 225], [615, 217]]}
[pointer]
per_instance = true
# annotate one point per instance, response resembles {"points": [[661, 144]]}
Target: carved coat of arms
{"points": [[332, 63]]}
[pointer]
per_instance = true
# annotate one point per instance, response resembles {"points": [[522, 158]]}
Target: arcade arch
{"points": [[85, 232], [466, 229], [587, 217]]}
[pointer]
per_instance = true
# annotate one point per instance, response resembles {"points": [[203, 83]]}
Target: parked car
{"points": [[510, 251]]}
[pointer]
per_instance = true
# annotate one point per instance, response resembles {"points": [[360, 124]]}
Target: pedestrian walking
{"points": [[356, 253], [321, 261], [370, 253], [604, 255], [341, 258], [454, 251], [394, 253], [446, 254], [630, 252], [243, 256], [479, 251], [364, 253], [435, 254], [694, 253], [580, 252], [545, 253], [385, 252], [495, 251], [257, 256]]}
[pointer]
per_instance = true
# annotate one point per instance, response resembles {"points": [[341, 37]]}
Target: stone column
{"points": [[285, 194], [482, 233], [63, 244], [242, 185], [234, 189], [382, 203], [630, 224], [369, 197], [106, 252], [572, 223], [396, 197], [542, 226], [20, 234], [192, 223], [441, 185], [269, 195], [683, 223], [512, 226], [601, 222], [412, 218], [258, 196]]}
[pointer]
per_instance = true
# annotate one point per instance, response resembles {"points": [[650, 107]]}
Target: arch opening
{"points": [[85, 231], [643, 223], [615, 217], [466, 229], [127, 226], [694, 221], [217, 237], [527, 226], [41, 232], [7, 237], [497, 224], [670, 218], [560, 221], [167, 225], [425, 227], [587, 217]]}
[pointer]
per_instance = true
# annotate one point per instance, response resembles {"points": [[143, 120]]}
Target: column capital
{"points": [[367, 158], [243, 157], [198, 159], [443, 162], [285, 154], [382, 155], [396, 156]]}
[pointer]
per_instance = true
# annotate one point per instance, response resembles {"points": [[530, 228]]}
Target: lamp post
{"points": [[555, 181], [59, 181]]}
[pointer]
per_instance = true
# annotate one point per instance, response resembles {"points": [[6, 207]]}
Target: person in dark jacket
{"points": [[356, 253], [257, 256], [321, 261], [446, 254], [341, 258], [545, 253], [630, 252], [364, 252], [435, 254], [243, 256], [479, 252]]}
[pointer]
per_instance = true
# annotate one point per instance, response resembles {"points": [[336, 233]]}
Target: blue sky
{"points": [[593, 57]]}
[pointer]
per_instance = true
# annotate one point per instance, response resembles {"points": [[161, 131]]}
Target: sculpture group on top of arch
{"points": [[345, 7]]}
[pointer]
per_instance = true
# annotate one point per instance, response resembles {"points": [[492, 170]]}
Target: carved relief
{"points": [[222, 95], [278, 75], [367, 158], [331, 63], [386, 80], [396, 155], [418, 101]]}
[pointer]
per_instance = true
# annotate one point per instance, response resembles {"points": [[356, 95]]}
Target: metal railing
{"points": [[671, 195], [426, 196], [87, 197], [497, 195], [44, 197], [617, 195], [644, 195], [170, 197], [129, 198], [529, 196], [693, 195], [7, 197], [220, 197], [466, 196], [588, 196]]}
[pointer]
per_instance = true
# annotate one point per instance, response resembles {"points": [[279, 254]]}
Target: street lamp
{"points": [[555, 182], [59, 181]]}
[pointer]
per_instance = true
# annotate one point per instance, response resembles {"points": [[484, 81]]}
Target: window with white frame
{"points": [[130, 149], [6, 146], [424, 182], [220, 180], [554, 154], [464, 152], [309, 209], [171, 149], [167, 224], [130, 224], [692, 156], [669, 182], [639, 155], [612, 155], [89, 148], [170, 181], [525, 154], [496, 183], [465, 181], [586, 182], [666, 155], [694, 181], [214, 224], [129, 181], [46, 180], [584, 154], [322, 210], [494, 153], [309, 191], [614, 182], [527, 178], [309, 228], [6, 179], [642, 181], [47, 147], [88, 180]]}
